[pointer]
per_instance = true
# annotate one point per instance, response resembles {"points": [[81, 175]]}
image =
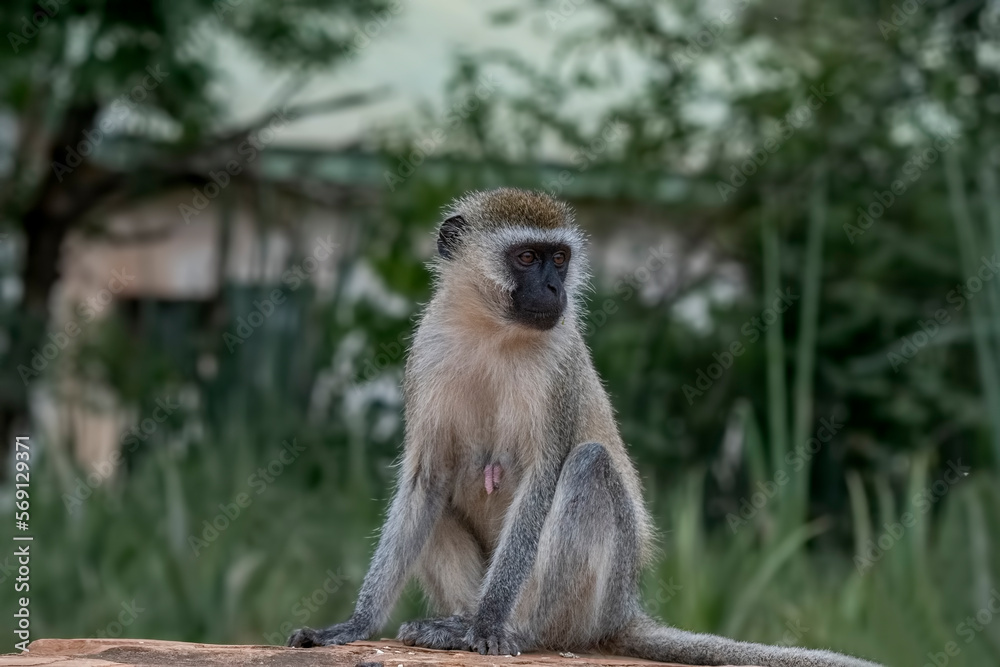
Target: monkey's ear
{"points": [[448, 236]]}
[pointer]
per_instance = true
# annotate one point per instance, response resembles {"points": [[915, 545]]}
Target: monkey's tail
{"points": [[647, 639]]}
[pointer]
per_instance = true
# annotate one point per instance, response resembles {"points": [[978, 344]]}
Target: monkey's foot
{"points": [[445, 634], [339, 633], [494, 641]]}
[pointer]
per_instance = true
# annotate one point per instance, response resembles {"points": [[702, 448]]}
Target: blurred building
{"points": [[299, 214]]}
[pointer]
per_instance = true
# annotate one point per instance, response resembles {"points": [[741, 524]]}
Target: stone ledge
{"points": [[153, 652]]}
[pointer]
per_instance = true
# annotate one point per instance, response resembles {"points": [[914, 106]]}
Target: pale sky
{"points": [[413, 55]]}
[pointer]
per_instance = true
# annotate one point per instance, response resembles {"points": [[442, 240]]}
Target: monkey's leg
{"points": [[583, 590], [414, 512], [584, 579], [513, 560], [451, 572]]}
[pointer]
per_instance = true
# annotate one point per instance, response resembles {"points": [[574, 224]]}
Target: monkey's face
{"points": [[512, 259], [538, 271]]}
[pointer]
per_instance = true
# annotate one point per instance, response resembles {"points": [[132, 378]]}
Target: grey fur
{"points": [[552, 558]]}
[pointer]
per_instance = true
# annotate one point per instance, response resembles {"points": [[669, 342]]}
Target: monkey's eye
{"points": [[526, 257], [559, 258]]}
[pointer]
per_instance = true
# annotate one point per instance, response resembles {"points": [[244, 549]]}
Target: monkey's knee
{"points": [[591, 496], [583, 546], [587, 468]]}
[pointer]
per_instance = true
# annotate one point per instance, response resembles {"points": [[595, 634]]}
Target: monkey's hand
{"points": [[492, 640], [339, 633]]}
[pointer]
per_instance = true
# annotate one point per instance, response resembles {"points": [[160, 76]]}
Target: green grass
{"points": [[129, 541]]}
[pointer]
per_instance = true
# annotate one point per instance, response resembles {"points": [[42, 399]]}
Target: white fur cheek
{"points": [[498, 274], [503, 282], [578, 276]]}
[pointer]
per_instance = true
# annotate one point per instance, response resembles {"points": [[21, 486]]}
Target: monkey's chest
{"points": [[490, 462], [494, 421], [493, 412]]}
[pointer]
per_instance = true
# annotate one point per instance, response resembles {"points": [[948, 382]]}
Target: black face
{"points": [[539, 271]]}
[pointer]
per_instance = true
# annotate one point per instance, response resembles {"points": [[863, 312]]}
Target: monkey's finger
{"points": [[302, 638], [508, 647], [406, 634]]}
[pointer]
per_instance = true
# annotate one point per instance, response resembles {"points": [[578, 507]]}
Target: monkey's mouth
{"points": [[542, 320]]}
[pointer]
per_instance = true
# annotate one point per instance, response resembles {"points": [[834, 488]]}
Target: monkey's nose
{"points": [[554, 288]]}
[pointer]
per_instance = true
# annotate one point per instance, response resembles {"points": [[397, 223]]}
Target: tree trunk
{"points": [[70, 190]]}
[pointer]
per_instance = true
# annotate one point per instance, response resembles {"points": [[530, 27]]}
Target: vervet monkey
{"points": [[517, 505]]}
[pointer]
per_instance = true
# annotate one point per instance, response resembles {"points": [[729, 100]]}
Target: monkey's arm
{"points": [[415, 509], [512, 562]]}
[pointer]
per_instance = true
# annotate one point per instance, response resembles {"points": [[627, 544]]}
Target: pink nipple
{"points": [[491, 475]]}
